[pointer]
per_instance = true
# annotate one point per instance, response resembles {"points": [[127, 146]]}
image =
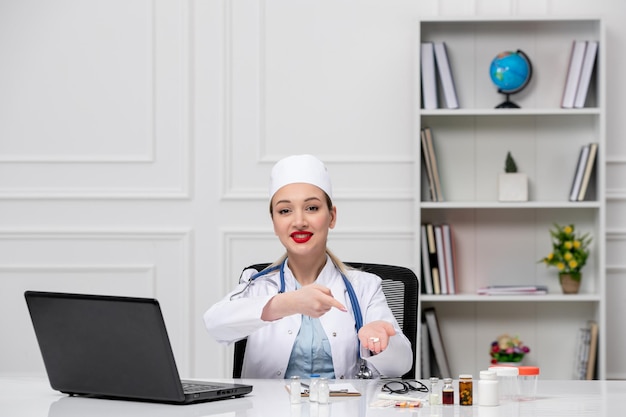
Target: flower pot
{"points": [[513, 187], [569, 284]]}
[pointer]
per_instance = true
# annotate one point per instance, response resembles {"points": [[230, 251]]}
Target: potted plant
{"points": [[507, 350], [569, 254], [512, 185]]}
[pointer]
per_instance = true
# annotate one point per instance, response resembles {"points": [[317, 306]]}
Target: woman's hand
{"points": [[311, 300], [375, 335]]}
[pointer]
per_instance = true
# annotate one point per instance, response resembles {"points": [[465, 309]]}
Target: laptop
{"points": [[113, 347]]}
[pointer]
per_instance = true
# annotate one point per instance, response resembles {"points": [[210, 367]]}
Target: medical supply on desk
{"points": [[488, 389], [507, 382], [466, 391], [435, 391], [528, 376], [294, 390], [323, 391], [313, 387], [447, 392]]}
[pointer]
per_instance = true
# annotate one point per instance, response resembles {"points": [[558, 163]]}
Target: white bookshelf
{"points": [[498, 242]]}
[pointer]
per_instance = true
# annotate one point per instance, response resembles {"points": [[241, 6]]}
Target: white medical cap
{"points": [[300, 169]]}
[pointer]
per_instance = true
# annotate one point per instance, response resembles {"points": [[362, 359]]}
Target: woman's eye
{"points": [[312, 208], [283, 211]]}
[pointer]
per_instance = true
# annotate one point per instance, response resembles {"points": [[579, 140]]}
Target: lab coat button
{"points": [[289, 331], [278, 373], [334, 334]]}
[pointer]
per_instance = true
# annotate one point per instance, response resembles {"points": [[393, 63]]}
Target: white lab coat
{"points": [[270, 343]]}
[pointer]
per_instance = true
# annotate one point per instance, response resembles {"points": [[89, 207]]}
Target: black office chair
{"points": [[401, 288]]}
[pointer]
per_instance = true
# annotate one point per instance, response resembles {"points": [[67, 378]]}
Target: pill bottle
{"points": [[528, 376], [447, 392], [323, 391], [466, 392], [435, 392], [313, 384], [488, 389], [507, 382], [294, 390]]}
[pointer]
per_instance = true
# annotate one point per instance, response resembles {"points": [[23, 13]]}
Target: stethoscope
{"points": [[364, 372]]}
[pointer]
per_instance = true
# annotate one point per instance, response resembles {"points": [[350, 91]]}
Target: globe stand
{"points": [[507, 104]]}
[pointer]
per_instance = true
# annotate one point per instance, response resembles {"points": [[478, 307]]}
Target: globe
{"points": [[510, 72]]}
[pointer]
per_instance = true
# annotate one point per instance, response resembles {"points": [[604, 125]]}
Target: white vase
{"points": [[513, 187]]}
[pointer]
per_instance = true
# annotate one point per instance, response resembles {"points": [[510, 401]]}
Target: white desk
{"points": [[33, 397]]}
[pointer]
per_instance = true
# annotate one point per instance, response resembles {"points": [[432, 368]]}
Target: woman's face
{"points": [[302, 218]]}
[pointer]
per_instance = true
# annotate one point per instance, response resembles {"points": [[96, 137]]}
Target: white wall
{"points": [[136, 138]]}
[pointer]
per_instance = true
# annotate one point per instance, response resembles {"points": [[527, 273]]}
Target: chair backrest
{"points": [[401, 288]]}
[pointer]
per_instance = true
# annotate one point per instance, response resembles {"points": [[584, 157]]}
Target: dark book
{"points": [[437, 343], [433, 260], [427, 278]]}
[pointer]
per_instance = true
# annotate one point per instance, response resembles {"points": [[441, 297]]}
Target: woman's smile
{"points": [[301, 237]]}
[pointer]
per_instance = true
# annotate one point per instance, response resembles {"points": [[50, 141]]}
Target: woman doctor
{"points": [[308, 312]]}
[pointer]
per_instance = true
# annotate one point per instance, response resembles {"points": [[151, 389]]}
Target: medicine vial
{"points": [[294, 390], [323, 391], [313, 384], [447, 392], [488, 392], [435, 392], [466, 392]]}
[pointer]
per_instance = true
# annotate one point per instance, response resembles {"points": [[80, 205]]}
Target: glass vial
{"points": [[466, 392], [435, 392], [488, 392], [294, 390], [447, 392], [313, 384], [323, 391]]}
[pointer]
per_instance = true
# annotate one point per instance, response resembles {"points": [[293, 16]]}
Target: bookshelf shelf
{"points": [[500, 243]]}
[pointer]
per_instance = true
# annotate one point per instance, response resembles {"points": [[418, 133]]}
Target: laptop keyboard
{"points": [[190, 387]]}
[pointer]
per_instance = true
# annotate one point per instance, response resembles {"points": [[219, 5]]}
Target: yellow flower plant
{"points": [[569, 251]]}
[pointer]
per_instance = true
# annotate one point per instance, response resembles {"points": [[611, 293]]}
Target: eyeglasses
{"points": [[402, 387]]}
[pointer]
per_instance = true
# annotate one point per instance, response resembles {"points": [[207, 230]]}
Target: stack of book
{"points": [[430, 165], [581, 65], [438, 259], [584, 171], [434, 359], [586, 351], [434, 60], [513, 290]]}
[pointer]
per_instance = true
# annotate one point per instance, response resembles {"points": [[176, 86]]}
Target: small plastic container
{"points": [[528, 377], [313, 387], [294, 390], [507, 382], [466, 392], [488, 389], [323, 391], [435, 392]]}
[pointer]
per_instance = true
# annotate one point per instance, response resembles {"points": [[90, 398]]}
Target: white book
{"points": [[591, 160], [441, 259], [427, 278], [585, 76], [429, 77], [573, 74], [578, 175], [449, 252], [445, 75]]}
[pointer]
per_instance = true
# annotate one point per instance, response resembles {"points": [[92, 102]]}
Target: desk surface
{"points": [[33, 397]]}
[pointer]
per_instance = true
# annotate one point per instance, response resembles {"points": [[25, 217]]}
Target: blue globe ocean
{"points": [[510, 71]]}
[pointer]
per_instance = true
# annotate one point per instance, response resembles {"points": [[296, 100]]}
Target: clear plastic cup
{"points": [[528, 377], [507, 381]]}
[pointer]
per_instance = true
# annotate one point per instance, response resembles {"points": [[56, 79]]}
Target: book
{"points": [[589, 165], [573, 74], [433, 163], [425, 357], [593, 349], [436, 340], [441, 260], [427, 278], [429, 76], [578, 175], [445, 75], [513, 290], [448, 245], [434, 263], [582, 348], [428, 167], [585, 76]]}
